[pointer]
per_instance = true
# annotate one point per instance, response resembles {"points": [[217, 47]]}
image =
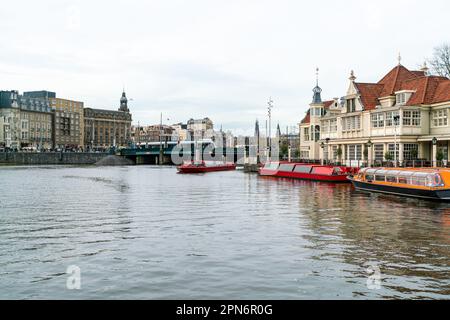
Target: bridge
{"points": [[152, 153]]}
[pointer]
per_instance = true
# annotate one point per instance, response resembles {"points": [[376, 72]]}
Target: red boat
{"points": [[307, 171], [203, 167]]}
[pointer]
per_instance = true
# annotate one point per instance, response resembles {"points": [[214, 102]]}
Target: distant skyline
{"points": [[216, 59]]}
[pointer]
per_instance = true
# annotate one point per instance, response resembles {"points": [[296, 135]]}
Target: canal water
{"points": [[148, 233]]}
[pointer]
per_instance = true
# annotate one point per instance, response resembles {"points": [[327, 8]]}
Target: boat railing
{"points": [[419, 163]]}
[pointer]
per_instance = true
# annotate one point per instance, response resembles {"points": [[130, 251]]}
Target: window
{"points": [[317, 133], [306, 134], [392, 149], [440, 118], [355, 152], [390, 119], [379, 152], [325, 153], [351, 105], [378, 120], [335, 148], [392, 179], [411, 118], [401, 98], [333, 126], [302, 169], [351, 123], [326, 127], [416, 118], [410, 151], [286, 167], [443, 147]]}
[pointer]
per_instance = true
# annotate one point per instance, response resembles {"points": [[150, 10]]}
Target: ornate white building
{"points": [[404, 116]]}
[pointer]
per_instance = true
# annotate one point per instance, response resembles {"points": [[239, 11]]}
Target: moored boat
{"points": [[426, 183], [307, 171], [205, 166]]}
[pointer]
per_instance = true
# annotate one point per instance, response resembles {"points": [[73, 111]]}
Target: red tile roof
{"points": [[307, 118], [442, 92], [370, 92], [394, 79], [327, 104], [427, 89]]}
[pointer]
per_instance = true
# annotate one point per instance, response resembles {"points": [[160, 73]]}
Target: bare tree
{"points": [[441, 60]]}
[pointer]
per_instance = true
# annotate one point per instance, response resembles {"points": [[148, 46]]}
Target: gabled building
{"points": [[397, 117]]}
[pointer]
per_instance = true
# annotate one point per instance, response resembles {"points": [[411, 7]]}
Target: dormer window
{"points": [[351, 105], [401, 98]]}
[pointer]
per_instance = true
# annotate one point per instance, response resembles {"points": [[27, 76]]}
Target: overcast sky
{"points": [[221, 59]]}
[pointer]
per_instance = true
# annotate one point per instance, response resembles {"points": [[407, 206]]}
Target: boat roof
{"points": [[425, 170]]}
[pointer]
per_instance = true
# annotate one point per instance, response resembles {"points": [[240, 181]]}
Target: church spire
{"points": [[124, 103], [317, 99], [257, 128]]}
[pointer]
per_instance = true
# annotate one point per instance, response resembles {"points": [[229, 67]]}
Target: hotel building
{"points": [[403, 116]]}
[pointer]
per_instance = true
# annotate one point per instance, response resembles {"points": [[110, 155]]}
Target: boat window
{"points": [[302, 169], [434, 180], [403, 179], [369, 177], [380, 178], [371, 171], [322, 170], [271, 165], [392, 179], [419, 181], [286, 167]]}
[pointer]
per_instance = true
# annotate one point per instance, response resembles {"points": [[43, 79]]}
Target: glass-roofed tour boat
{"points": [[307, 171], [428, 183]]}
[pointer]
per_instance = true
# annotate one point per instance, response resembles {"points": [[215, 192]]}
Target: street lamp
{"points": [[269, 113], [396, 120], [369, 152], [327, 141], [434, 141]]}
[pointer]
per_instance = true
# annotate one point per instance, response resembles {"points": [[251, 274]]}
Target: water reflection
{"points": [[146, 232]]}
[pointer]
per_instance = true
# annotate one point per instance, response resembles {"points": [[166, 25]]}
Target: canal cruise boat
{"points": [[205, 166], [307, 171], [426, 183]]}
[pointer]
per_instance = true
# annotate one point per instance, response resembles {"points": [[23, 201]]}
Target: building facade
{"points": [[69, 123], [403, 116], [150, 134], [181, 132], [68, 120], [200, 128], [27, 121], [107, 128]]}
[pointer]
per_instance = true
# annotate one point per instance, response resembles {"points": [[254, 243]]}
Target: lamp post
{"points": [[369, 152], [322, 145], [396, 119], [434, 141], [269, 113], [327, 140], [160, 141]]}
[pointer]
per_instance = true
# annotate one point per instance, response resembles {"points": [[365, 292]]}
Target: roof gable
{"points": [[393, 80], [369, 94]]}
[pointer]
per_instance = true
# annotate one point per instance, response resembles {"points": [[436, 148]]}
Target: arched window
{"points": [[317, 133]]}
